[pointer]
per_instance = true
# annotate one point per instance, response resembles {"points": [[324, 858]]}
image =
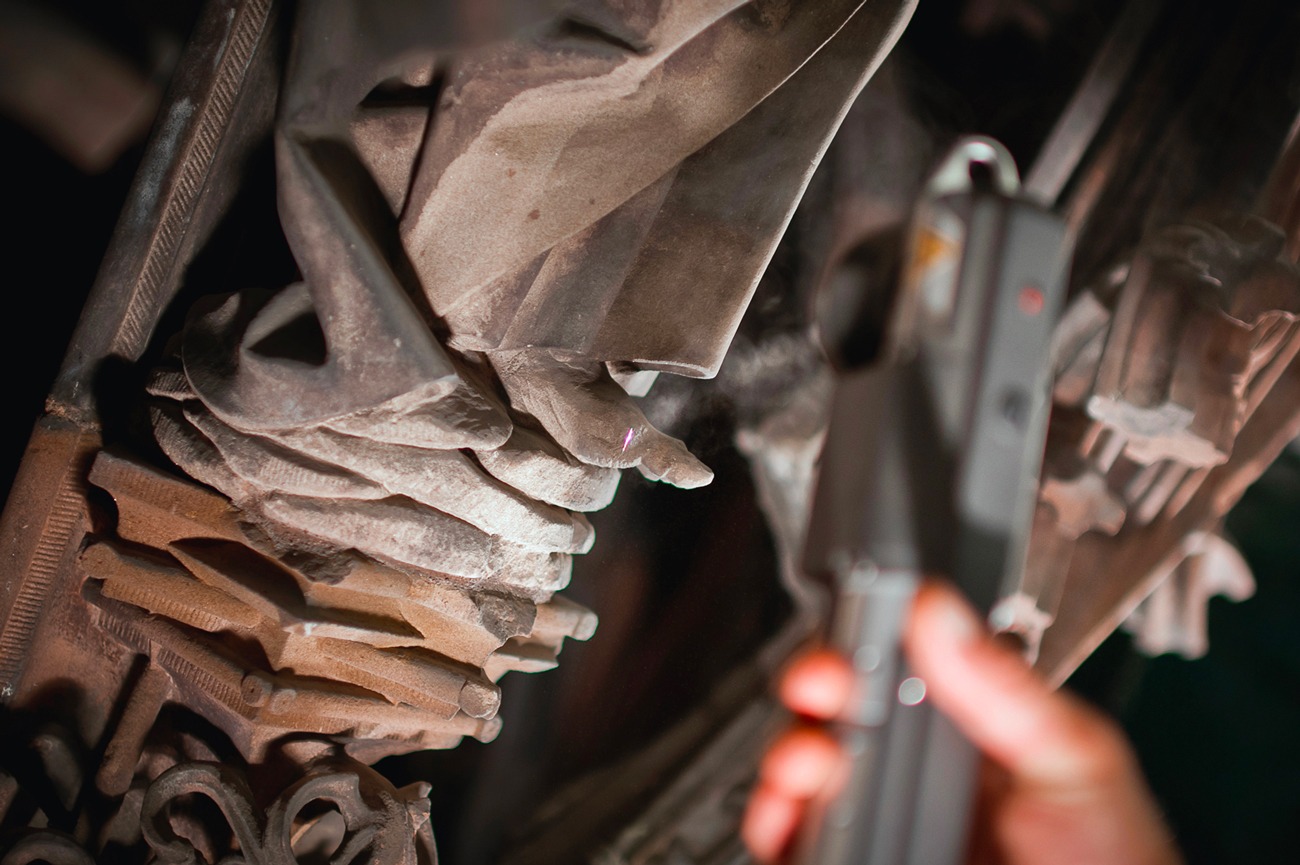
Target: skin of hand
{"points": [[1060, 785]]}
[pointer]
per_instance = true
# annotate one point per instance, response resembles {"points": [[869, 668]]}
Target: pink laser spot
{"points": [[1031, 300], [627, 439]]}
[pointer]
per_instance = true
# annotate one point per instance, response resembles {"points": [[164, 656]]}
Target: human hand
{"points": [[1061, 784]]}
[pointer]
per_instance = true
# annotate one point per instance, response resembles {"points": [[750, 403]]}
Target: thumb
{"points": [[1073, 781]]}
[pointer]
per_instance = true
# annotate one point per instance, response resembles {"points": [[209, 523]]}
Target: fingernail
{"points": [[676, 465]]}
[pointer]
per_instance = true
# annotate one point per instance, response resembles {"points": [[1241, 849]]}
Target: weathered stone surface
{"points": [[451, 482], [536, 466], [594, 419], [398, 448], [405, 639]]}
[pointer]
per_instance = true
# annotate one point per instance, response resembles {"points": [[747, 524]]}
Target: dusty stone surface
{"points": [[429, 647], [485, 284]]}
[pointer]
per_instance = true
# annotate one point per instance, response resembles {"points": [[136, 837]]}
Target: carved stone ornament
{"points": [[1160, 374], [368, 470], [367, 819]]}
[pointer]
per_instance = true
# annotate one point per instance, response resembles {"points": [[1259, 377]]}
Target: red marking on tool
{"points": [[1031, 300]]}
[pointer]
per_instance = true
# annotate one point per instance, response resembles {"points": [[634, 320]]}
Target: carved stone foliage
{"points": [[38, 797], [203, 812], [341, 812]]}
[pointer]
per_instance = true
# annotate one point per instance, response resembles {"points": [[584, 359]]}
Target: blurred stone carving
{"points": [[89, 104], [44, 845], [1158, 372], [1173, 617]]}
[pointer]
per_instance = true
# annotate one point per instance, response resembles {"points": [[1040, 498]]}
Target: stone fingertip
{"points": [[584, 534], [480, 699], [679, 468], [693, 477], [688, 473]]}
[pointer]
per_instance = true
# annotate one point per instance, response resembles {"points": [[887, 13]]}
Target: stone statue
{"points": [[507, 219], [487, 281]]}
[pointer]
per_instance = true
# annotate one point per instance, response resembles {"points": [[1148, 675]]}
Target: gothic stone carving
{"points": [[1159, 377], [499, 242]]}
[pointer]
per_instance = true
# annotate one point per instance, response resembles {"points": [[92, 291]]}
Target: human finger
{"points": [[798, 766], [770, 821], [992, 695], [804, 760], [1074, 790], [817, 684], [800, 763]]}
